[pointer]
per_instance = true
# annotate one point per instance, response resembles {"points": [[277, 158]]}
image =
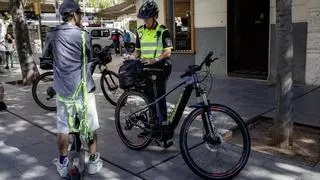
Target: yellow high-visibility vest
{"points": [[151, 45]]}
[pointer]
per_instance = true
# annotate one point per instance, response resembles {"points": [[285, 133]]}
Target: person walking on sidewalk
{"points": [[126, 40], [70, 47], [116, 41], [9, 43], [153, 47]]}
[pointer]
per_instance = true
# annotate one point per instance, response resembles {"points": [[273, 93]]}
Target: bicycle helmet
{"points": [[148, 9]]}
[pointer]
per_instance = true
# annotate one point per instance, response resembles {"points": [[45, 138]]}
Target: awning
{"points": [[128, 7]]}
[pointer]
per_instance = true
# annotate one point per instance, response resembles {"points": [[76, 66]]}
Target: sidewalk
{"points": [[27, 140]]}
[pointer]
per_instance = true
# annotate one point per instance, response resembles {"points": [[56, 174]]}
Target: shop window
{"points": [[183, 26]]}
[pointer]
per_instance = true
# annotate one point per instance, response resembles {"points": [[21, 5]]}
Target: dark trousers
{"points": [[126, 46], [116, 46], [161, 84]]}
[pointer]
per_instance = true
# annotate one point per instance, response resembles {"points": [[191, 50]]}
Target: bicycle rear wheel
{"points": [[43, 92], [109, 83], [76, 157], [129, 126], [219, 156]]}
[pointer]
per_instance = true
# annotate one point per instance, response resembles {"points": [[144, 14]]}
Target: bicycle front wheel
{"points": [[220, 155], [43, 92], [109, 83]]}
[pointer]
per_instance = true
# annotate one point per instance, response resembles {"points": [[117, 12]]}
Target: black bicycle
{"points": [[44, 94], [214, 140]]}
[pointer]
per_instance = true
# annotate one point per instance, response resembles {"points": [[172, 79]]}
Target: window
{"points": [[95, 33], [100, 33], [183, 36], [106, 33]]}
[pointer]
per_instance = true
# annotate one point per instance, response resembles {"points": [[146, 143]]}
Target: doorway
{"points": [[248, 38]]}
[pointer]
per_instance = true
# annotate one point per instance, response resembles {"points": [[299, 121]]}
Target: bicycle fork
{"points": [[207, 118]]}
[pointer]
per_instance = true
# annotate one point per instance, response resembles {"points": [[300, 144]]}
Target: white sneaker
{"points": [[96, 165], [62, 168]]}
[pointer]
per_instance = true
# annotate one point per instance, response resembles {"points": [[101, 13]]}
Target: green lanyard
{"points": [[72, 105]]}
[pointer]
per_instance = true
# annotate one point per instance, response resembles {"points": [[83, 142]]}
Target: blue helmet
{"points": [[148, 9]]}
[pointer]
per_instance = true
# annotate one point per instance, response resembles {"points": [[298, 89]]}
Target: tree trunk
{"points": [[283, 122], [28, 66]]}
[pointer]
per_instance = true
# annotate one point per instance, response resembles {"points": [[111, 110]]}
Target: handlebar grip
{"points": [[209, 55], [214, 59]]}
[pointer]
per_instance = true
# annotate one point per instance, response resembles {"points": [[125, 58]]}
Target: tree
{"points": [[28, 66], [102, 4], [283, 122]]}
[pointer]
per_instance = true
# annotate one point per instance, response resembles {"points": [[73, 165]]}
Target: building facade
{"points": [[242, 34]]}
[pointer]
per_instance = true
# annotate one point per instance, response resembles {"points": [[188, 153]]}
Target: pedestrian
{"points": [[126, 40], [116, 41], [70, 46], [9, 45]]}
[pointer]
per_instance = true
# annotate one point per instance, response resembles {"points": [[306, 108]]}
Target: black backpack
{"points": [[130, 74]]}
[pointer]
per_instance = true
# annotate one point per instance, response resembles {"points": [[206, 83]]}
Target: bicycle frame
{"points": [[175, 115]]}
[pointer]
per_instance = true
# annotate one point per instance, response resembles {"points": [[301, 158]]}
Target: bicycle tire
{"points": [[236, 169], [34, 92], [123, 100], [104, 80], [76, 151]]}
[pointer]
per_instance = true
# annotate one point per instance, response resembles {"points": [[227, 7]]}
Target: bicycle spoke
{"points": [[213, 154]]}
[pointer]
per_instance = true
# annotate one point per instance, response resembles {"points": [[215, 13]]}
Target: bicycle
{"points": [[214, 125], [44, 94]]}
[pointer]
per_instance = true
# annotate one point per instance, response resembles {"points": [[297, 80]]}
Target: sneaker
{"points": [[62, 168], [95, 165]]}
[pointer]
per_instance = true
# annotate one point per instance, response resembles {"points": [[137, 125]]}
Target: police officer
{"points": [[153, 47]]}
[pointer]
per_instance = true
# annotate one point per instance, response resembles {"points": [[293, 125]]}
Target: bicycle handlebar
{"points": [[194, 68]]}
